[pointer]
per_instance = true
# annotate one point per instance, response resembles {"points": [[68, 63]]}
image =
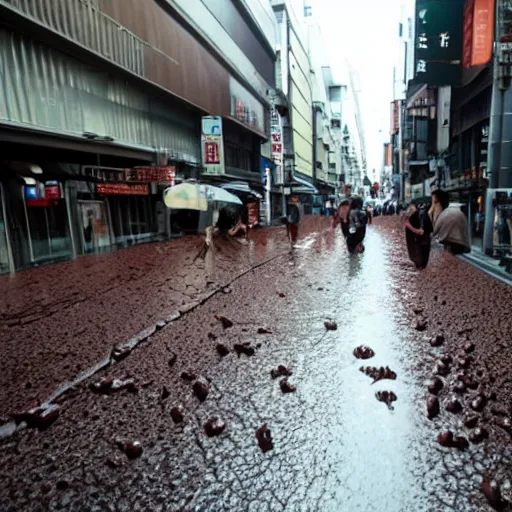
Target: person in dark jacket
{"points": [[418, 228], [293, 219], [357, 221]]}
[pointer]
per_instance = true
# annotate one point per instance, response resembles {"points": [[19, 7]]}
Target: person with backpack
{"points": [[293, 219], [357, 220]]}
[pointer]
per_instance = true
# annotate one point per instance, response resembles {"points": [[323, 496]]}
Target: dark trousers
{"points": [[292, 230], [422, 255]]}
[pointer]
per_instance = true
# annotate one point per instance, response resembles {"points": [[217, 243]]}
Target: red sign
{"points": [[163, 175], [31, 203], [395, 111], [52, 192], [253, 212], [277, 149], [212, 153], [276, 137], [122, 189]]}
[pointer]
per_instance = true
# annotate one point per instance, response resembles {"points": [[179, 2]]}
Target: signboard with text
{"points": [[478, 32], [276, 132], [161, 175], [438, 45], [212, 146], [121, 189]]}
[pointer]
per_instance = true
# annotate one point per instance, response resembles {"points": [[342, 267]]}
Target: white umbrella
{"points": [[219, 195]]}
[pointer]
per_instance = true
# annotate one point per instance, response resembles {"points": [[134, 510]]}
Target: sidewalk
{"points": [[59, 320], [487, 264]]}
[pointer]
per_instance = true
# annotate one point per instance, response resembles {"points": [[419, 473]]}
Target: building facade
{"points": [[102, 107]]}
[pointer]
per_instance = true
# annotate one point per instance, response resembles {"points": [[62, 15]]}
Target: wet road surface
{"points": [[335, 446]]}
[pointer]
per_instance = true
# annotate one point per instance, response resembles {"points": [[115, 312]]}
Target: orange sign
{"points": [[483, 32], [478, 32]]}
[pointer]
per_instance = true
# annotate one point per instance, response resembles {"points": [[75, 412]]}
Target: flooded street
{"points": [[336, 444]]}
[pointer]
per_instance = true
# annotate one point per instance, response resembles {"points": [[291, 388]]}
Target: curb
{"points": [[485, 267]]}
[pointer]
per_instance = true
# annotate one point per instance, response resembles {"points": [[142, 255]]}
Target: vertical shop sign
{"points": [[438, 46], [276, 132], [478, 32], [212, 146], [394, 117]]}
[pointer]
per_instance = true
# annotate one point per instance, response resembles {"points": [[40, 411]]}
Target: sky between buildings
{"points": [[365, 32]]}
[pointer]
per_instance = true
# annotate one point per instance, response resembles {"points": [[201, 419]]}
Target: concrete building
{"points": [[110, 109]]}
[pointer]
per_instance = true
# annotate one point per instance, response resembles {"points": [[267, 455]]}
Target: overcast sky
{"points": [[366, 33]]}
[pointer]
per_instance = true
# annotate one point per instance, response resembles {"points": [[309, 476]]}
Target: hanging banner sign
{"points": [[276, 132], [212, 146], [478, 32]]}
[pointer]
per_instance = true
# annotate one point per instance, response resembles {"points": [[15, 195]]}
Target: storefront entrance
{"points": [[4, 250]]}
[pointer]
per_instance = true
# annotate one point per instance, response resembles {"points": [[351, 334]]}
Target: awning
{"points": [[303, 186], [241, 186]]}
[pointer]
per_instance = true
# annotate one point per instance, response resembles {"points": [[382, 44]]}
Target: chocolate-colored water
{"points": [[334, 446]]}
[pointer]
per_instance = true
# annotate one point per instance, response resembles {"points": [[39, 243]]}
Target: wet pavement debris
{"points": [[214, 427], [448, 440], [421, 325], [478, 435], [469, 348], [264, 330], [435, 386], [378, 373], [432, 407], [492, 491], [244, 348], [281, 371], [264, 438], [222, 350], [331, 326], [478, 403], [40, 417], [363, 352], [177, 414], [286, 387], [453, 405], [437, 340], [442, 368], [226, 322], [132, 449], [471, 422], [165, 393], [188, 375], [201, 390], [387, 397], [172, 360]]}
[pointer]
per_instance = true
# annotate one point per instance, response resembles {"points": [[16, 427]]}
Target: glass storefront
{"points": [[94, 224]]}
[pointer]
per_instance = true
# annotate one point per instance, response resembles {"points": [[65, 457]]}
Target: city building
{"points": [[110, 109]]}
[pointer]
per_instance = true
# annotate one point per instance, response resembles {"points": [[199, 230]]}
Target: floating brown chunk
{"points": [[264, 439], [222, 349], [331, 326], [388, 397], [378, 373], [363, 352], [435, 386], [177, 414], [214, 427], [286, 387], [432, 407], [244, 348], [226, 322], [281, 371], [437, 341], [201, 390]]}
